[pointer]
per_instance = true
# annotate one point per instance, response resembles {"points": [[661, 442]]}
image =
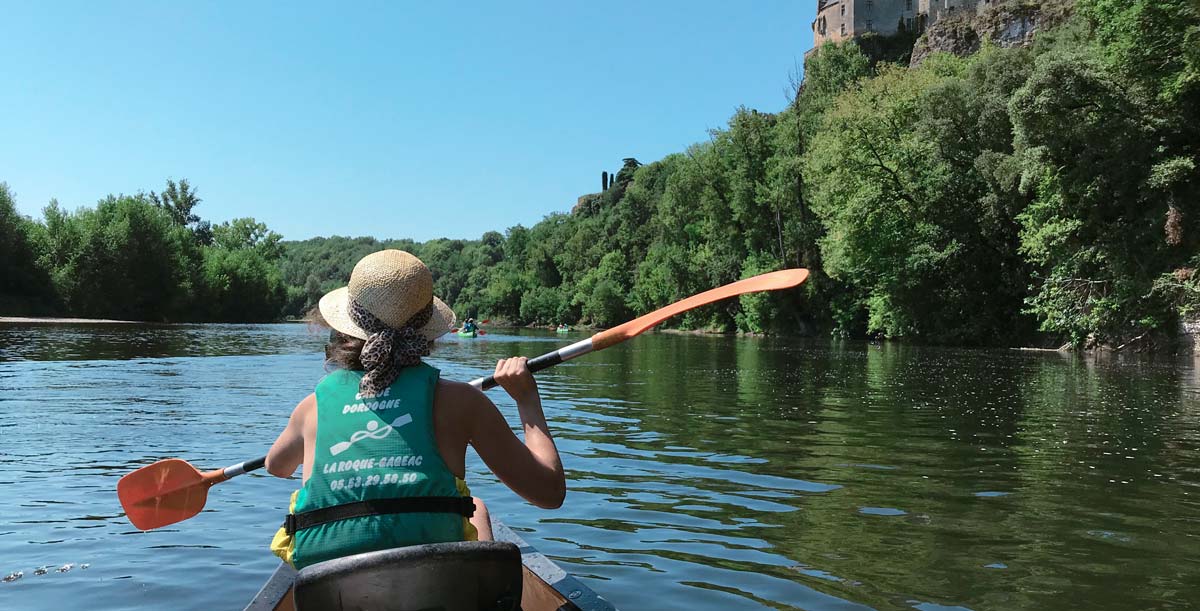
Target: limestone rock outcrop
{"points": [[1006, 24]]}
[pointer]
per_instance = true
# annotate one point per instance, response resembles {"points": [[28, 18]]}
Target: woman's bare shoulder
{"points": [[307, 403], [459, 407], [306, 409], [458, 394]]}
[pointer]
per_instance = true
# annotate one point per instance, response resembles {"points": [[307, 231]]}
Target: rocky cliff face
{"points": [[1009, 23], [588, 204]]}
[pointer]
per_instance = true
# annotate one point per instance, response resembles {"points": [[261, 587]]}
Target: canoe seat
{"points": [[463, 576]]}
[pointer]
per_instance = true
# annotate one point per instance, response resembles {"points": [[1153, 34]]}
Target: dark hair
{"points": [[342, 350]]}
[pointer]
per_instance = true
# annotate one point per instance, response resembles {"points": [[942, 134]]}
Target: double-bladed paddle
{"points": [[172, 490]]}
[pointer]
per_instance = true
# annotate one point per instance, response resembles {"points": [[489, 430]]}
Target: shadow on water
{"points": [[704, 472]]}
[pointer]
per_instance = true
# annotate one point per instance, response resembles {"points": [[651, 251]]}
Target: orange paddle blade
{"points": [[774, 281], [165, 492]]}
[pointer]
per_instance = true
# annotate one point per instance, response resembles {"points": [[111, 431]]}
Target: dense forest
{"points": [[140, 257], [1038, 193]]}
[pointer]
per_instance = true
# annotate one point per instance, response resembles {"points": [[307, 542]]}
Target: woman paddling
{"points": [[383, 438]]}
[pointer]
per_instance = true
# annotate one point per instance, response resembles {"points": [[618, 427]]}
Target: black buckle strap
{"points": [[460, 505]]}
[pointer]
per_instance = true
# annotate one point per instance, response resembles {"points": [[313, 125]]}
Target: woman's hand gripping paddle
{"points": [[172, 490]]}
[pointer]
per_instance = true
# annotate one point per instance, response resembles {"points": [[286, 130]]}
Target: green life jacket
{"points": [[369, 452]]}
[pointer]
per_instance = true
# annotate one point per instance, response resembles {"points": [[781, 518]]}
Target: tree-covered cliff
{"points": [[1036, 192]]}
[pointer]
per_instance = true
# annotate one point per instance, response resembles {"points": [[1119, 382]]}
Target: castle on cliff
{"points": [[839, 20]]}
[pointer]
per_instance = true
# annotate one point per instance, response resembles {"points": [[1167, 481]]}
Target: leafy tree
{"points": [[133, 257], [1101, 193], [126, 258], [620, 181], [911, 218], [1152, 43], [247, 234], [541, 305], [241, 285], [24, 287], [601, 292], [828, 71], [178, 199]]}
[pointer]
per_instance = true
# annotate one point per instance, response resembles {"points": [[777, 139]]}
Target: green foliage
{"points": [[828, 71], [125, 258], [762, 312], [247, 234], [1109, 160], [240, 285], [602, 289], [178, 200], [903, 178], [541, 305], [1060, 177], [969, 200], [619, 182], [24, 287], [895, 48], [1150, 42], [241, 277], [136, 258]]}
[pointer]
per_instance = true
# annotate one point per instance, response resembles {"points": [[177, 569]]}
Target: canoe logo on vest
{"points": [[373, 430]]}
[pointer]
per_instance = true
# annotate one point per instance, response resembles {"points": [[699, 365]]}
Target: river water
{"points": [[703, 472]]}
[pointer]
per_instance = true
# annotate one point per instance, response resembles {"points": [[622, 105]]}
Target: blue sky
{"points": [[397, 119]]}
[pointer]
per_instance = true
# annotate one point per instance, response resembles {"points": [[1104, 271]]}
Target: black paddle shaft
{"points": [[245, 467], [545, 361]]}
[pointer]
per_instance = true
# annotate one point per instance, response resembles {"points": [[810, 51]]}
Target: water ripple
{"points": [[704, 473]]}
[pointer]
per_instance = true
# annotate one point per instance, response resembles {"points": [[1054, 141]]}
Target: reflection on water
{"points": [[704, 473], [51, 342]]}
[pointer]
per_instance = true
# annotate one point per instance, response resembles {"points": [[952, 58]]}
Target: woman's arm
{"points": [[533, 468], [288, 450]]}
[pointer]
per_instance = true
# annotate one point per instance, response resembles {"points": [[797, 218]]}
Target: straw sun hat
{"points": [[393, 286]]}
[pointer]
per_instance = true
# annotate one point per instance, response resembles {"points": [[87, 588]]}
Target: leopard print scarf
{"points": [[389, 350]]}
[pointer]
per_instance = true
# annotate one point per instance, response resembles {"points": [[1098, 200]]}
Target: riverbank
{"points": [[1187, 340], [38, 320]]}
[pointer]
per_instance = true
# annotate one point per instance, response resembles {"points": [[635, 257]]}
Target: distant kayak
{"points": [[563, 329], [465, 333]]}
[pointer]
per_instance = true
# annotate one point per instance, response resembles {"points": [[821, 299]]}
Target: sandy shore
{"points": [[90, 321]]}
